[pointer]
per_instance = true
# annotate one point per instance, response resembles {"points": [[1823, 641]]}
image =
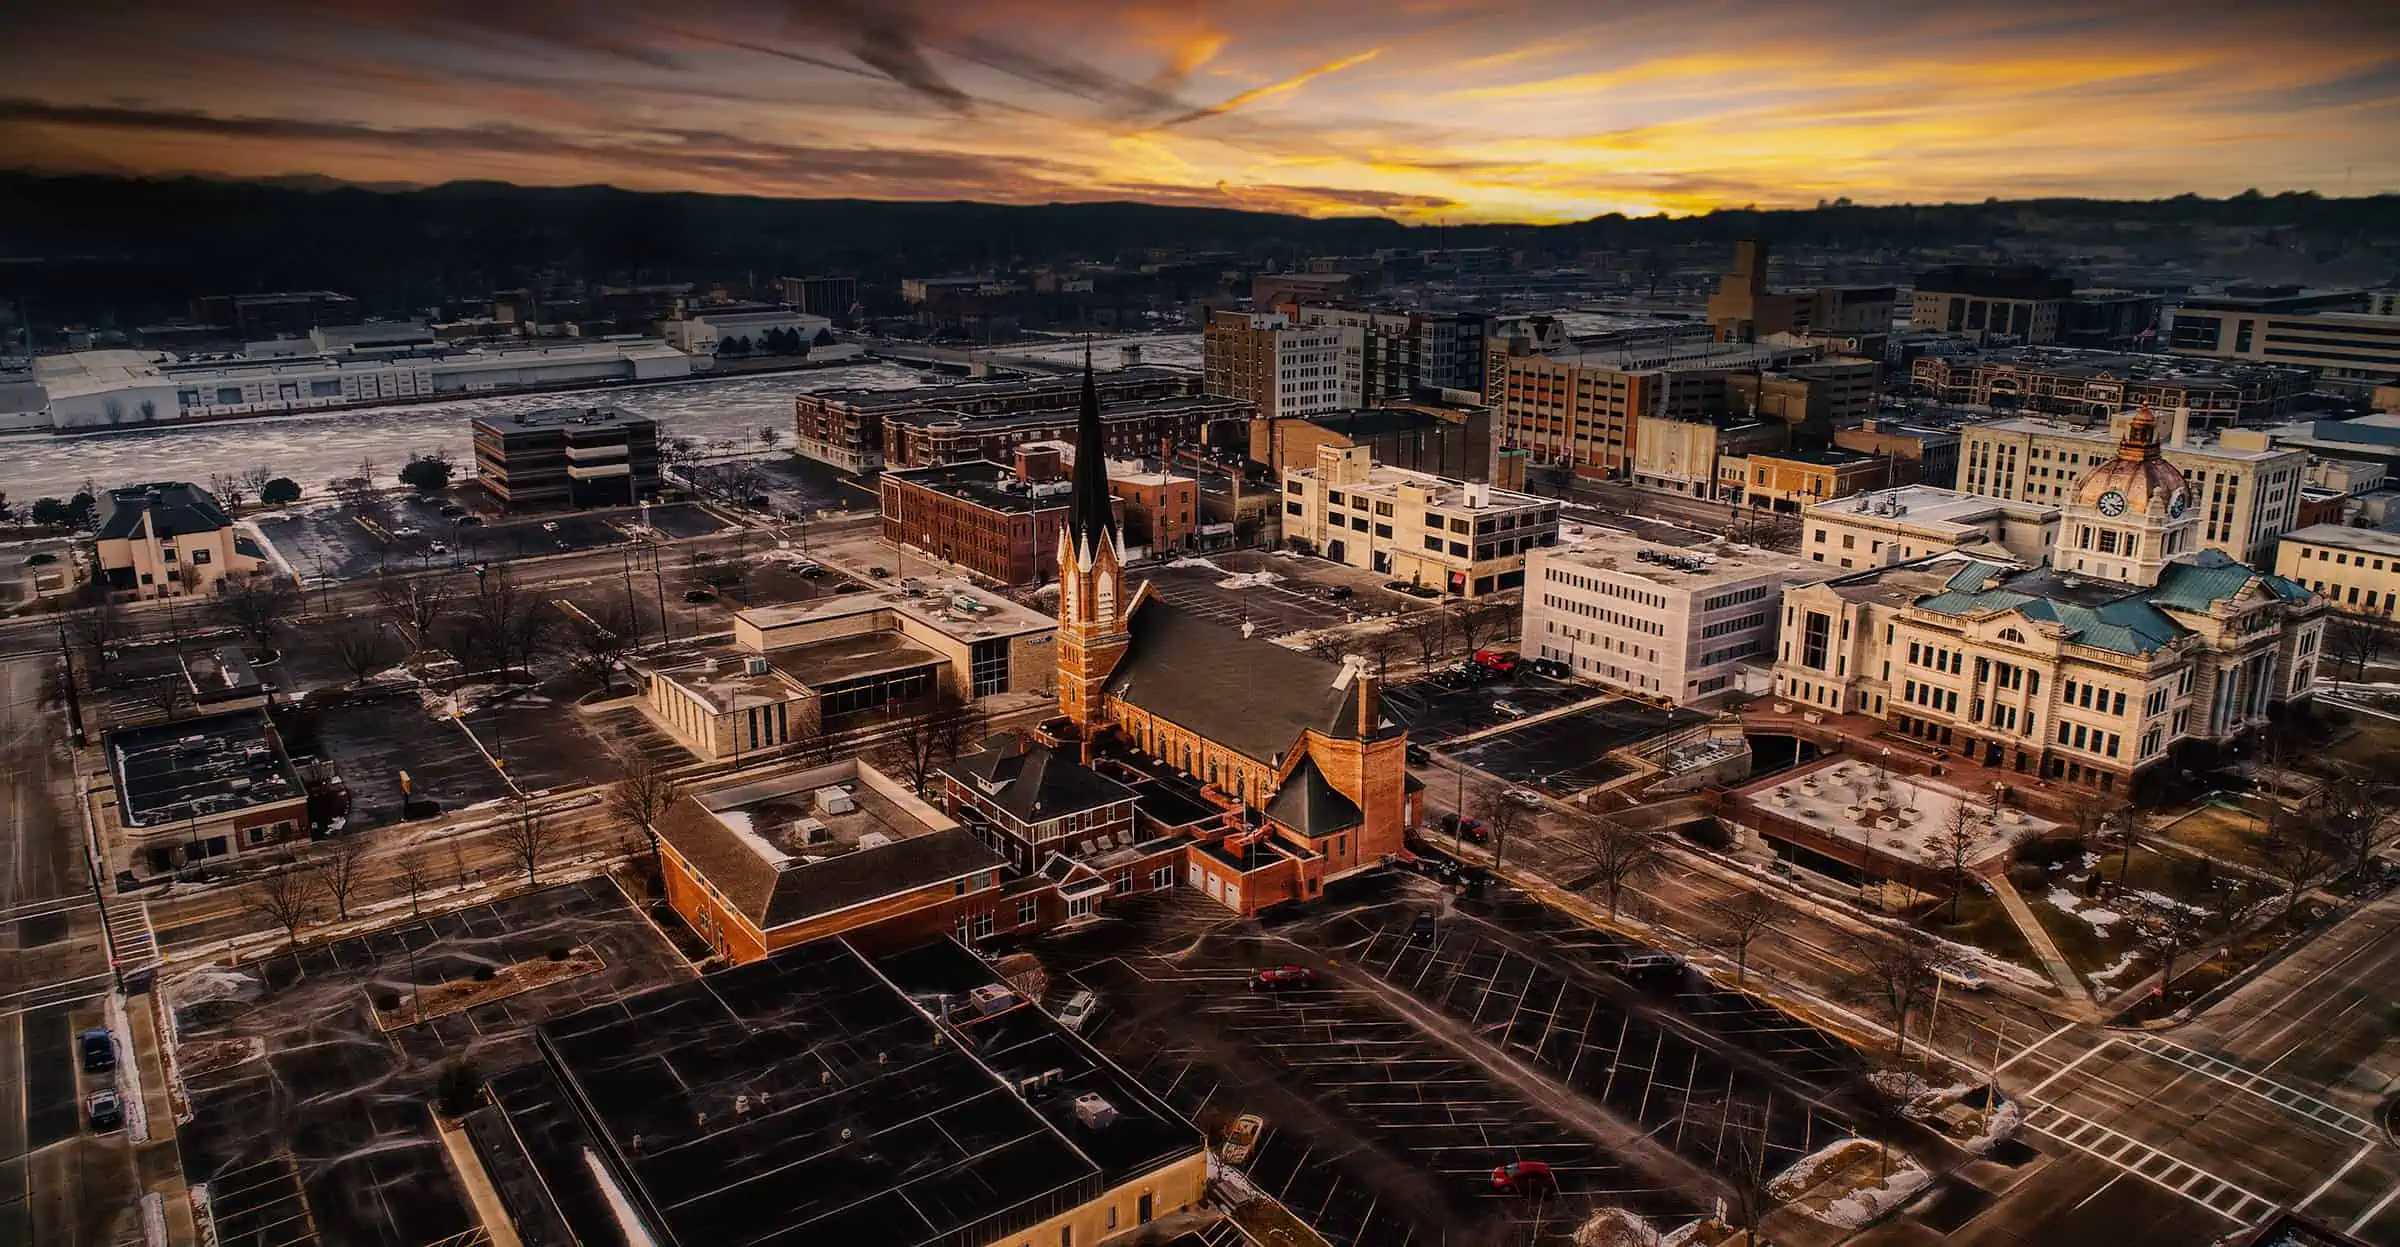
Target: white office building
{"points": [[1674, 624], [1889, 526]]}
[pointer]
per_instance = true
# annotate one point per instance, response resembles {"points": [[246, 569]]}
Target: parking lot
{"points": [[374, 736], [1280, 593], [1433, 713], [1567, 754], [309, 1122], [1395, 1084], [339, 543]]}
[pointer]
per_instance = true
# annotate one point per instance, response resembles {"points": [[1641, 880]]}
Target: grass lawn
{"points": [[2227, 829], [2372, 743], [1982, 923]]}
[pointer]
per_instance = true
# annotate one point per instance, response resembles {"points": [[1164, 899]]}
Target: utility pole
{"points": [[74, 697], [633, 616]]}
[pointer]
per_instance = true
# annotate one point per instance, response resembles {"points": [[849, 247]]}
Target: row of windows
{"points": [[2092, 739], [1737, 597], [2091, 697], [1609, 588], [2365, 601], [1949, 660], [2340, 558], [1927, 695], [1739, 624], [1592, 611]]}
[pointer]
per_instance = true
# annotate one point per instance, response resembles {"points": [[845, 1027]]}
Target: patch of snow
{"points": [[1249, 580], [2100, 919], [129, 1072], [1867, 1205], [1614, 1227], [738, 822], [2107, 976], [629, 1223], [1195, 561]]}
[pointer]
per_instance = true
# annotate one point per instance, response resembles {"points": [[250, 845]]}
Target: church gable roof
{"points": [[1307, 803], [1250, 696]]}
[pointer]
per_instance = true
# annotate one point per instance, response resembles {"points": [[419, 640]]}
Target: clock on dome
{"points": [[2112, 503], [2177, 503]]}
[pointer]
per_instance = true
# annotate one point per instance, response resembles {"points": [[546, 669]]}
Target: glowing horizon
{"points": [[1544, 111]]}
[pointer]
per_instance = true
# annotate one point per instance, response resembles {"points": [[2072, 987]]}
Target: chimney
{"points": [[1370, 703]]}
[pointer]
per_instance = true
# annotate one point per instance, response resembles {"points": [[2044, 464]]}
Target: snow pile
{"points": [[2107, 976], [1817, 1166], [2001, 1124], [1203, 564], [1614, 1227], [1867, 1205], [1249, 580], [2099, 918]]}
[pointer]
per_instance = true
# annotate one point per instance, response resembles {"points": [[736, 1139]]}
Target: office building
{"points": [[2349, 351], [2095, 385], [2246, 495], [2111, 320], [819, 1096], [1441, 438], [1661, 622], [2356, 570], [1279, 367], [2367, 439], [1687, 456], [1907, 523], [1397, 355], [1789, 480], [829, 297], [1582, 408], [998, 521], [1464, 538], [2021, 303], [2132, 644], [916, 437], [568, 456], [1818, 395], [170, 539], [855, 430], [288, 314], [193, 789], [1743, 309], [1913, 454]]}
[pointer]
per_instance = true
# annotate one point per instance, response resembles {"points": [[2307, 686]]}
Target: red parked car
{"points": [[1287, 976], [1519, 1176], [1502, 661]]}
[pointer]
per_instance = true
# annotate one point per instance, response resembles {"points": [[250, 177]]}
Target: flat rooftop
{"points": [[1902, 583], [1442, 491], [939, 604], [805, 844], [589, 419], [1681, 567], [956, 396], [1925, 506], [199, 768], [823, 664], [2344, 537], [818, 1097], [1817, 458], [1905, 817], [2104, 435], [1679, 357], [722, 678], [992, 486], [2070, 362], [934, 415]]}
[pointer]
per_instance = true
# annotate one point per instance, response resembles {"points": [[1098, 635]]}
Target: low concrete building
{"points": [[795, 672], [170, 539], [2355, 569], [1896, 525], [1913, 454], [1446, 440], [1464, 538], [186, 791], [1662, 622], [1791, 480]]}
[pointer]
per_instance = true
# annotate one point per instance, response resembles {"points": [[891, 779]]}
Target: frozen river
{"points": [[313, 449]]}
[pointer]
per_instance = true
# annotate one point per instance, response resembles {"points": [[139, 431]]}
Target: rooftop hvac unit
{"points": [[991, 998], [835, 801], [754, 666], [1094, 1111], [873, 840], [812, 831]]}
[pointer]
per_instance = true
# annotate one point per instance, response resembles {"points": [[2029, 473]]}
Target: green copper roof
{"points": [[2134, 623]]}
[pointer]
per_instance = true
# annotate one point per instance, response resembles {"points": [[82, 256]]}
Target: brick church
{"points": [[1269, 771]]}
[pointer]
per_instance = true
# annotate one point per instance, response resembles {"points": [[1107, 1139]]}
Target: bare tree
{"points": [[2355, 641], [642, 794], [364, 646], [505, 625], [2170, 929], [340, 867], [936, 730], [1746, 918], [100, 625], [1896, 974], [600, 637], [1472, 624], [1619, 856], [1954, 848], [416, 605], [2353, 813], [525, 834], [1428, 630], [1501, 817], [259, 607], [1379, 647], [1328, 645], [415, 875], [285, 895]]}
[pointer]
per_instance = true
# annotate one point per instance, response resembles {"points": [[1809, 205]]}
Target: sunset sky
{"points": [[1545, 110]]}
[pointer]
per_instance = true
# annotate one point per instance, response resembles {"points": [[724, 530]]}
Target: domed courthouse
{"points": [[2133, 640]]}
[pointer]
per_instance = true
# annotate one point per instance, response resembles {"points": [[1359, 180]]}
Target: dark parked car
{"points": [[1337, 593], [99, 1051], [812, 572], [700, 595], [1418, 756], [469, 521], [1423, 929], [1553, 668], [880, 573], [1287, 976]]}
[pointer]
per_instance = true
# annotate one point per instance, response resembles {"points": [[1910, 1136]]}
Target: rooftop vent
{"points": [[1094, 1111], [755, 665], [835, 800], [991, 998]]}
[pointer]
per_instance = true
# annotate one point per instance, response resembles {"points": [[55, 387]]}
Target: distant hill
{"points": [[96, 248]]}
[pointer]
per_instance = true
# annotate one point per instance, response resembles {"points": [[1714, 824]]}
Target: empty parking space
{"points": [[1278, 594], [1433, 713], [374, 737]]}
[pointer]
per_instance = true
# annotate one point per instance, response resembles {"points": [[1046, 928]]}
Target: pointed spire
{"points": [[1091, 520]]}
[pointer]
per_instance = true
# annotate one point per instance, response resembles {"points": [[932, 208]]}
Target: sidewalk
{"points": [[2043, 946]]}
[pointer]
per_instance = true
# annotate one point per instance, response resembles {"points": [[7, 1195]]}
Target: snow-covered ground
{"points": [[1180, 350], [315, 448]]}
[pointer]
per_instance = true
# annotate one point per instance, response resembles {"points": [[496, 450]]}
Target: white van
{"points": [[1077, 1010]]}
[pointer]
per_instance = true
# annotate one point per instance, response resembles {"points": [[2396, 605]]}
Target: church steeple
{"points": [[1091, 519], [1091, 574]]}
